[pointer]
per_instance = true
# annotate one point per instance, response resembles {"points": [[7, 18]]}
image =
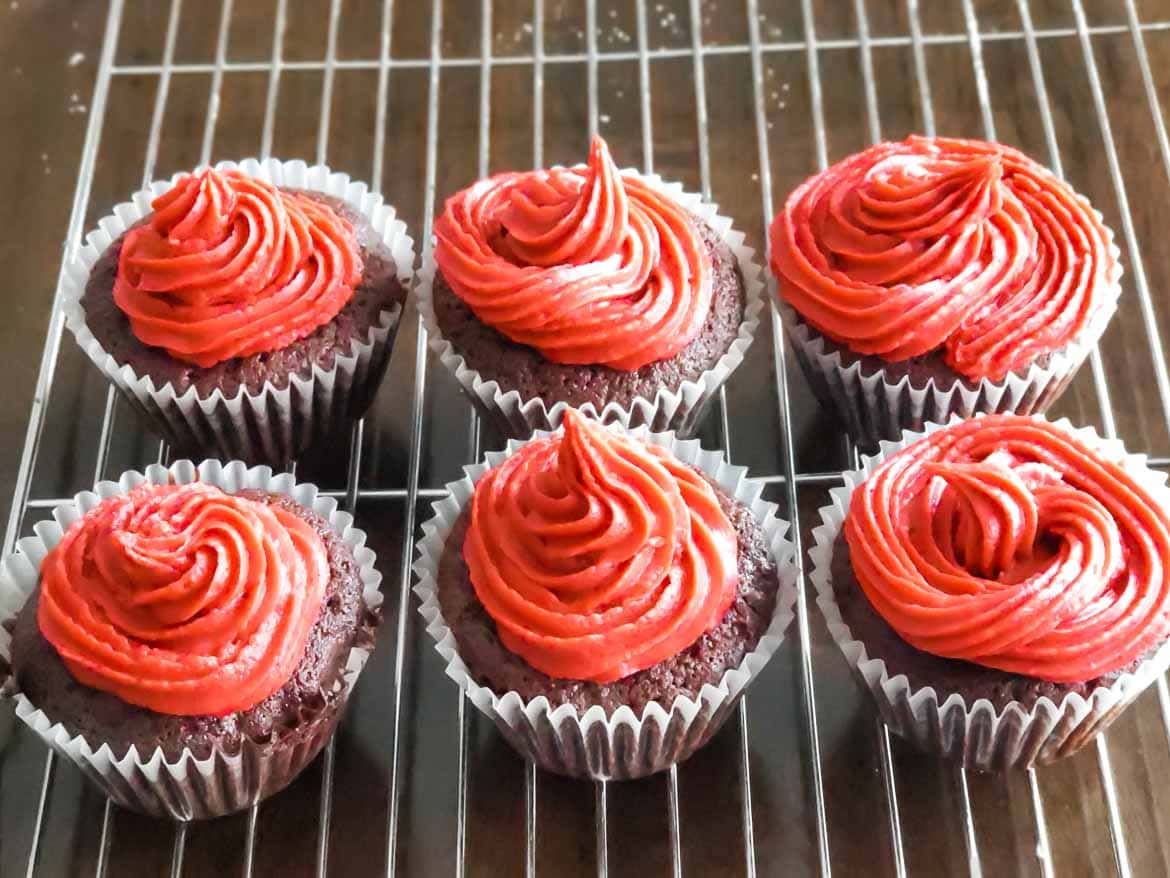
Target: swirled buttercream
{"points": [[230, 266], [183, 599], [584, 264], [938, 243], [598, 555], [1006, 542]]}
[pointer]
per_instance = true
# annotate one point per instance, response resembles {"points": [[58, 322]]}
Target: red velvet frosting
{"points": [[584, 264], [230, 266], [937, 243], [1006, 542], [598, 555], [183, 599]]}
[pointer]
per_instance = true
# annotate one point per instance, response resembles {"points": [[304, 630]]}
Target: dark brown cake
{"points": [[970, 680], [523, 369], [921, 369], [720, 649], [379, 290], [279, 720], [868, 424]]}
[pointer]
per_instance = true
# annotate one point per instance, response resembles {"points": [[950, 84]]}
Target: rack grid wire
{"points": [[805, 779]]}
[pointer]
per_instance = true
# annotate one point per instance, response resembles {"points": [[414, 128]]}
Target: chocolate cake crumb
{"points": [[920, 369]]}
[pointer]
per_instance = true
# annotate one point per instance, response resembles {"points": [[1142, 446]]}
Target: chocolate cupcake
{"points": [[939, 276], [999, 585], [246, 310], [190, 638], [604, 596], [588, 287]]}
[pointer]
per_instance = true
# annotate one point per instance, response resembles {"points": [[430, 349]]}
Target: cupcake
{"points": [[243, 310], [999, 585], [189, 637], [939, 276], [605, 596], [605, 290]]}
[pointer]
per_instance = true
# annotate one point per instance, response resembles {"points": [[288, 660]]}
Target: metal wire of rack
{"points": [[401, 633]]}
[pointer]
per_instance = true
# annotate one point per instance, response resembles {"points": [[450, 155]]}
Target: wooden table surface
{"points": [[48, 61]]}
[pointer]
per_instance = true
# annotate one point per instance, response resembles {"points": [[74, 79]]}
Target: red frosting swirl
{"points": [[583, 264], [1006, 542], [183, 599], [230, 266], [933, 243], [598, 555]]}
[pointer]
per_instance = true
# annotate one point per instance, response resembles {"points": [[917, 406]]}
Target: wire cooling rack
{"points": [[739, 100]]}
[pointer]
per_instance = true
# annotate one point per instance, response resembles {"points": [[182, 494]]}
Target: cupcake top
{"points": [[584, 264], [229, 266], [183, 599], [938, 243], [598, 555], [1007, 542]]}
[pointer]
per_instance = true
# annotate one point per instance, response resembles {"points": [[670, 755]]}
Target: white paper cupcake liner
{"points": [[873, 406], [622, 745], [679, 409], [273, 424], [942, 722], [185, 787]]}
